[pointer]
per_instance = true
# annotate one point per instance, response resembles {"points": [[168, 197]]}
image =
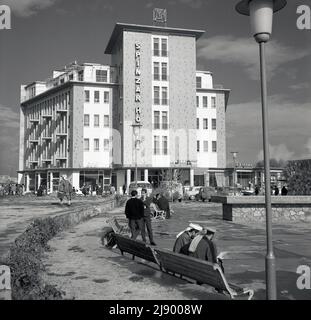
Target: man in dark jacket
{"points": [[164, 205], [147, 217], [134, 211]]}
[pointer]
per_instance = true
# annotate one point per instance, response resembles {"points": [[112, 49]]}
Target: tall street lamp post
{"points": [[136, 132], [234, 156], [261, 17]]}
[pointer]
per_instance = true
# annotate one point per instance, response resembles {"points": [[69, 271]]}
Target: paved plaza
{"points": [[82, 267]]}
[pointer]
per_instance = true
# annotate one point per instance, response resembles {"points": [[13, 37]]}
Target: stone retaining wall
{"points": [[257, 213], [252, 209]]}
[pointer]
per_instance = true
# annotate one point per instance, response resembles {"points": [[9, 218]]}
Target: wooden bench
{"points": [[199, 270], [136, 248]]}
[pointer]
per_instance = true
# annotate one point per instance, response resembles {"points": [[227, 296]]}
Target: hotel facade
{"points": [[150, 109]]}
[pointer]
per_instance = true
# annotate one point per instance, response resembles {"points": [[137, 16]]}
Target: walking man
{"points": [[64, 190], [134, 211], [147, 217]]}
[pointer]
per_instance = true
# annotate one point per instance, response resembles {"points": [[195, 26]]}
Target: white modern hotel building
{"points": [[86, 120]]}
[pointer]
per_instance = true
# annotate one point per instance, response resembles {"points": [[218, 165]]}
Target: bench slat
{"points": [[134, 247], [195, 269]]}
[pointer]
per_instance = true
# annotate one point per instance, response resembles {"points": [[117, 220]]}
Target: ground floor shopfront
{"points": [[120, 178]]}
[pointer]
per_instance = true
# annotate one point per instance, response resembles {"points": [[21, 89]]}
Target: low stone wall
{"points": [[24, 257], [252, 209]]}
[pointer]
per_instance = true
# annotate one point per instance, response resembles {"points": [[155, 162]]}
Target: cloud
{"points": [[9, 118], [301, 86], [279, 152], [26, 8], [195, 4], [289, 128], [244, 52]]}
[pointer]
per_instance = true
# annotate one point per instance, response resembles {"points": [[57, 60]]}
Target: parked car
{"points": [[192, 192], [205, 193], [139, 186]]}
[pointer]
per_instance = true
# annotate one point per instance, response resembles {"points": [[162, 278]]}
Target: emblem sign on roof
{"points": [[159, 15]]}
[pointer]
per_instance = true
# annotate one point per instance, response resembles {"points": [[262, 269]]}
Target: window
{"points": [[87, 96], [156, 119], [156, 95], [96, 120], [213, 102], [101, 76], [164, 120], [214, 146], [106, 97], [198, 102], [213, 124], [96, 96], [205, 102], [81, 75], [86, 144], [106, 121], [156, 145], [86, 120], [96, 144], [205, 146], [164, 71], [198, 123], [164, 144], [106, 144], [156, 71], [198, 146], [164, 47], [164, 96], [205, 124], [199, 82], [156, 47]]}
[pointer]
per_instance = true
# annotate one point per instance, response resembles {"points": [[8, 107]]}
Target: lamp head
{"points": [[261, 15]]}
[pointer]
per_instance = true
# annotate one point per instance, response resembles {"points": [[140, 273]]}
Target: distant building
{"points": [[81, 121]]}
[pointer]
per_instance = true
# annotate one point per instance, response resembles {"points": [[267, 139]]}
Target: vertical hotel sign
{"points": [[137, 82]]}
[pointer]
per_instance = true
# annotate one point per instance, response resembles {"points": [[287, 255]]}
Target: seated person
{"points": [[163, 204], [203, 247], [184, 237]]}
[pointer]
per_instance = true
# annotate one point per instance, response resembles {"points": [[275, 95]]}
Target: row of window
{"points": [[205, 124], [205, 102], [205, 146], [96, 120], [157, 123], [96, 97], [160, 47], [156, 145], [96, 144]]}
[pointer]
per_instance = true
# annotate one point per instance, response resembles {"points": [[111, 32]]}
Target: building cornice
{"points": [[64, 86], [120, 27]]}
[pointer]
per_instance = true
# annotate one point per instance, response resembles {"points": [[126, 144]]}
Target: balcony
{"points": [[34, 141], [47, 116], [47, 138], [62, 110], [34, 120]]}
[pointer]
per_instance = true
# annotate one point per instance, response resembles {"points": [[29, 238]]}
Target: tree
{"points": [[273, 163]]}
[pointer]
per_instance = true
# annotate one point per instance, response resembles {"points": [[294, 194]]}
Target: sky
{"points": [[48, 34]]}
